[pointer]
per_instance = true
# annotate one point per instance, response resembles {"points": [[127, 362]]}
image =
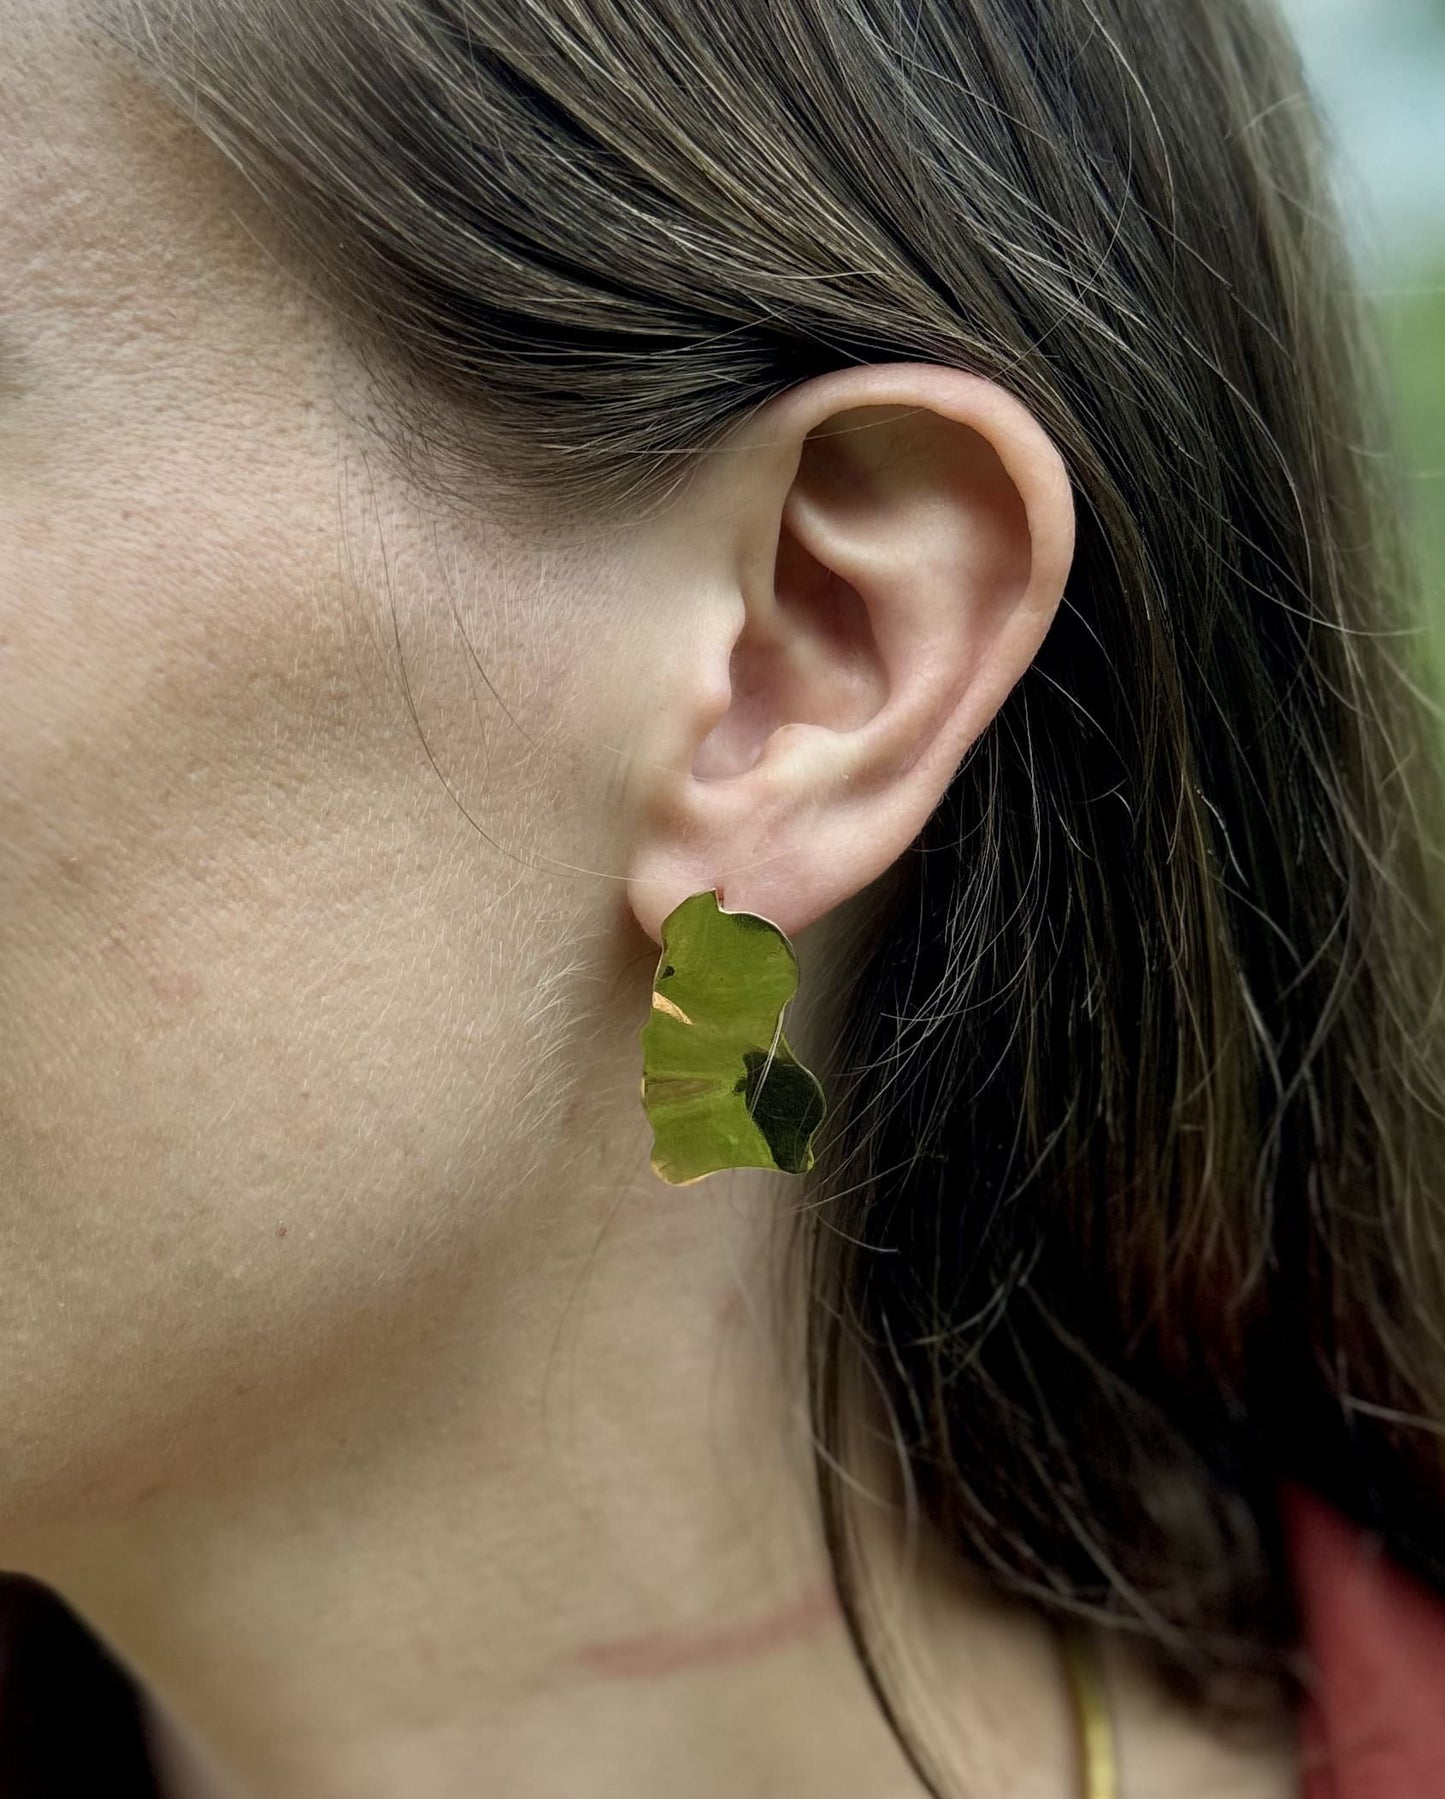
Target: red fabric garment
{"points": [[1376, 1637]]}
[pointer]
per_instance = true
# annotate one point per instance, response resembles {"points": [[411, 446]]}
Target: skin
{"points": [[363, 1387]]}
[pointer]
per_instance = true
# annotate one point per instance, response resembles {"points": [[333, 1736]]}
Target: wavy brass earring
{"points": [[719, 1083]]}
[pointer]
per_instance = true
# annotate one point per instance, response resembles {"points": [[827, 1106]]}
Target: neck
{"points": [[563, 1533], [544, 1524]]}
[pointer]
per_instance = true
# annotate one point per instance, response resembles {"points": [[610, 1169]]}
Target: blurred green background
{"points": [[1377, 68], [1414, 333]]}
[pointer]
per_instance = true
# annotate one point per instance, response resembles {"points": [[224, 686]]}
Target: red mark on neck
{"points": [[650, 1656]]}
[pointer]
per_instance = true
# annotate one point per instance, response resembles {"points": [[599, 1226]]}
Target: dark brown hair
{"points": [[1132, 1202]]}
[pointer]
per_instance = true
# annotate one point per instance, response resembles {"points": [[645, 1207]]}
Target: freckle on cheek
{"points": [[179, 987]]}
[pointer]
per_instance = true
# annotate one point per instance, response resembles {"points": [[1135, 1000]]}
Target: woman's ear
{"points": [[896, 542]]}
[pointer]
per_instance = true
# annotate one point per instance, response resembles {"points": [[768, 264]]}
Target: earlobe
{"points": [[912, 530]]}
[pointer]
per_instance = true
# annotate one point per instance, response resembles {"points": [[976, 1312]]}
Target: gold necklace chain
{"points": [[1098, 1750]]}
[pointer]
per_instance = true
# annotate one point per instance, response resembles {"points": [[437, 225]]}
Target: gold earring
{"points": [[719, 1083]]}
